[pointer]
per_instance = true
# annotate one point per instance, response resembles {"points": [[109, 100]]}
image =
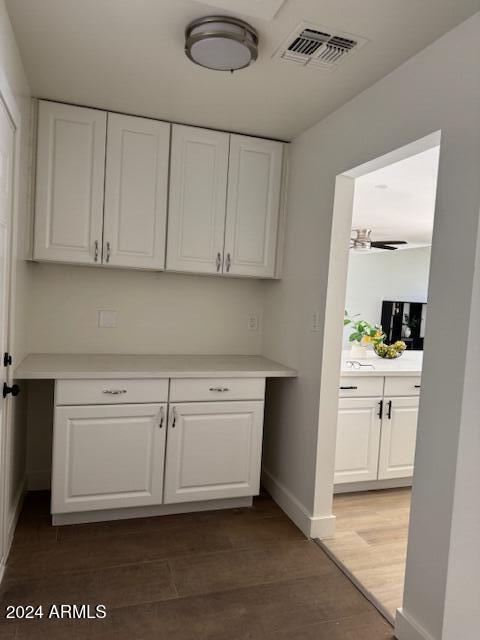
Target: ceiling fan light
{"points": [[221, 43]]}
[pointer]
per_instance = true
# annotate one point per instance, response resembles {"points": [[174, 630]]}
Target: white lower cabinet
{"points": [[213, 450], [108, 456], [399, 433], [376, 436], [358, 439]]}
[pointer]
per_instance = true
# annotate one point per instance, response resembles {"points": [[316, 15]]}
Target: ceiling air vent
{"points": [[318, 47]]}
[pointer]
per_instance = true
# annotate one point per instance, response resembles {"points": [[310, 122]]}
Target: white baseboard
{"points": [[81, 517], [39, 480], [406, 628], [10, 529], [311, 526]]}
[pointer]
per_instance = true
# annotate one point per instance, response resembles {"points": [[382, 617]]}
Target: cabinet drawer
{"points": [[402, 386], [198, 389], [360, 386], [110, 391]]}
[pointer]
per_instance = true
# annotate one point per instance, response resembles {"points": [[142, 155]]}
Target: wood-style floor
{"points": [[226, 575], [371, 542]]}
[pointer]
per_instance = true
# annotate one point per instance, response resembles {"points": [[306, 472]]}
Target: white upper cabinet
{"points": [[136, 187], [198, 187], [69, 189], [253, 201]]}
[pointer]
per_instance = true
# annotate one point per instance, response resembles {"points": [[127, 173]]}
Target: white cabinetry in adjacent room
{"points": [[253, 202], [399, 432], [69, 183], [108, 456], [136, 189], [213, 450], [358, 439]]}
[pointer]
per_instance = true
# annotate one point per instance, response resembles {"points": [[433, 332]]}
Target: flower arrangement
{"points": [[363, 332]]}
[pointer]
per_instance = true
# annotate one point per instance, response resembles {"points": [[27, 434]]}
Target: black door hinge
{"points": [[7, 360]]}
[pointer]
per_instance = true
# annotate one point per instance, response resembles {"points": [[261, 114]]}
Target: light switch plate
{"points": [[107, 319]]}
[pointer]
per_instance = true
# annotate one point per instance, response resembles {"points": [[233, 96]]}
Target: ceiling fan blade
{"points": [[390, 241], [380, 245]]}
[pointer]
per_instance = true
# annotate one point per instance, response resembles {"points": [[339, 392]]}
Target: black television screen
{"points": [[402, 320]]}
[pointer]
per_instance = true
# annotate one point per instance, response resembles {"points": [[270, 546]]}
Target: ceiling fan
{"points": [[363, 242]]}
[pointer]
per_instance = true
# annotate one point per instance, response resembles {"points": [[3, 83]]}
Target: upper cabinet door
{"points": [[136, 187], [198, 186], [70, 180], [254, 185]]}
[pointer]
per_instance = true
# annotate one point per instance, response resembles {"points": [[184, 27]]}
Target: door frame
{"points": [[335, 305], [11, 105]]}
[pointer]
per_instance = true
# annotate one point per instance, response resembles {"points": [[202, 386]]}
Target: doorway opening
{"points": [[383, 230]]}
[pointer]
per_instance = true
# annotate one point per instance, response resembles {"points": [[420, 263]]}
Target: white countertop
{"points": [[409, 364], [76, 366]]}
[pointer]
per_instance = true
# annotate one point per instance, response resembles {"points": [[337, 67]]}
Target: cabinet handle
{"points": [[218, 261], [228, 262], [162, 417], [417, 386], [174, 416], [95, 251], [107, 257], [114, 392], [389, 413], [380, 409], [220, 389], [352, 388]]}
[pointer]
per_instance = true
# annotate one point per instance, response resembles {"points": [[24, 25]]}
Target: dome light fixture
{"points": [[221, 43]]}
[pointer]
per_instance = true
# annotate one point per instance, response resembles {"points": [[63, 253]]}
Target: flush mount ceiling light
{"points": [[222, 43]]}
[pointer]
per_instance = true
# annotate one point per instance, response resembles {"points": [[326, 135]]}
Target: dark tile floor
{"points": [[238, 574]]}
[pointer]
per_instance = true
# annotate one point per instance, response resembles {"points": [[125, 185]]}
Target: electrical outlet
{"points": [[107, 319], [253, 322], [316, 322]]}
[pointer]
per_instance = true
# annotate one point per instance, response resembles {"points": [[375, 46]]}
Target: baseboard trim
{"points": [[10, 529], [39, 480], [311, 526], [406, 628], [372, 485], [81, 517]]}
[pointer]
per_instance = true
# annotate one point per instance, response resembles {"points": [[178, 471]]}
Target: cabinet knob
{"points": [[114, 392], [228, 262], [95, 250], [218, 261], [219, 389], [107, 255]]}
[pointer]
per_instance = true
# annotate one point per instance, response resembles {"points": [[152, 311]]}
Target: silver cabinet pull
{"points": [[228, 262], [218, 261], [107, 257], [95, 251], [162, 417], [114, 392], [219, 389]]}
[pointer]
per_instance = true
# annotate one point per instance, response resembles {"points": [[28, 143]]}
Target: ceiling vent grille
{"points": [[318, 47]]}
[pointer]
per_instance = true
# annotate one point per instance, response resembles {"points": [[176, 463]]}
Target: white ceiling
{"points": [[127, 55], [398, 201]]}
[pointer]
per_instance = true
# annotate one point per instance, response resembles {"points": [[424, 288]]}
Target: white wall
{"points": [[438, 89], [157, 312], [11, 67], [389, 275]]}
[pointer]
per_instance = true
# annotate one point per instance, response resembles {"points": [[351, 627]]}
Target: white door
{"points": [[136, 187], [198, 188], [358, 439], [213, 450], [108, 456], [399, 434], [253, 201], [70, 181], [7, 155]]}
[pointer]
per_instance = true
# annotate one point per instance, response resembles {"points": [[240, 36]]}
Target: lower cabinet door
{"points": [[108, 456], [358, 440], [399, 433], [213, 450]]}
